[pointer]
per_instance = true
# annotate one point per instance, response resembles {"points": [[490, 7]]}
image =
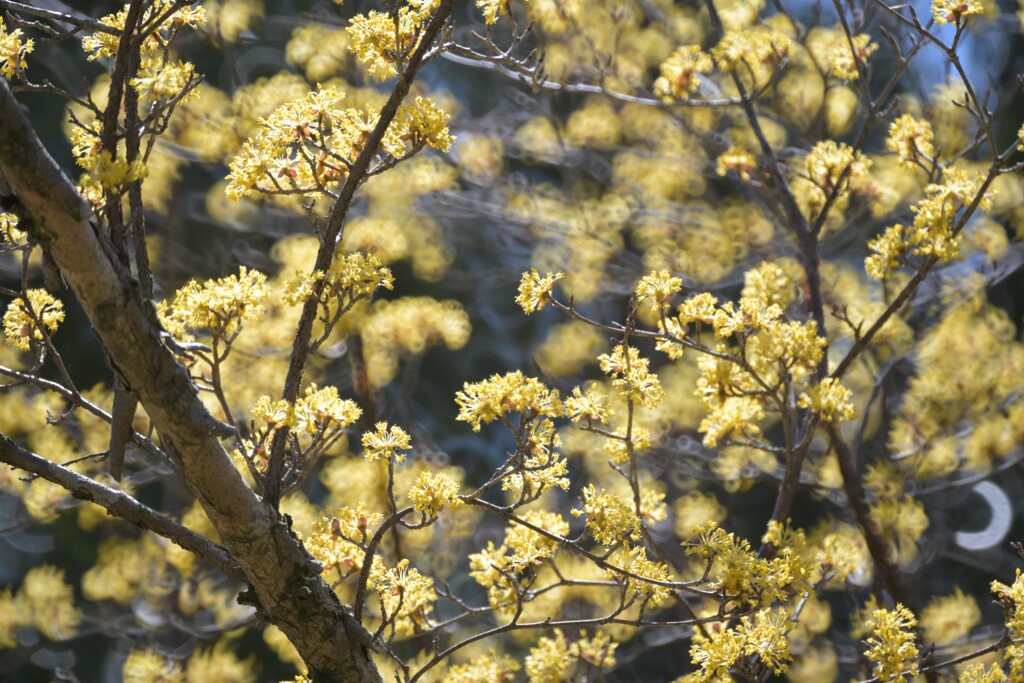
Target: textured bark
{"points": [[286, 588]]}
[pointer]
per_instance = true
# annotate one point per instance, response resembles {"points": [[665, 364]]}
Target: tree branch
{"points": [[120, 504]]}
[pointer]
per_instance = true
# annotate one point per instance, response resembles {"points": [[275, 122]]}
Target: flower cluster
{"points": [[743, 578], [315, 421], [9, 228], [646, 578], [911, 140], [12, 51], [381, 42], [679, 73], [844, 60], [552, 660], [490, 667], [751, 51], [499, 570], [217, 306], [936, 230], [758, 642], [489, 400], [830, 400], [384, 443], [611, 520], [629, 372], [955, 11], [406, 596], [339, 537], [29, 317], [891, 645], [535, 290], [434, 492], [306, 146], [1011, 599], [44, 602], [736, 160]]}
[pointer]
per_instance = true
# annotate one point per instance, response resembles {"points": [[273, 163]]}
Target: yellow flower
{"points": [[679, 77], [736, 160], [20, 326], [844, 63], [630, 374], [549, 660], [12, 51], [492, 667], [659, 286], [955, 11], [830, 400], [534, 290], [891, 645], [485, 401], [407, 597], [911, 139], [48, 600], [384, 443], [610, 519], [434, 492], [219, 306], [9, 228]]}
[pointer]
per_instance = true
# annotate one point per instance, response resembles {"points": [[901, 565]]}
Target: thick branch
{"points": [[284, 577]]}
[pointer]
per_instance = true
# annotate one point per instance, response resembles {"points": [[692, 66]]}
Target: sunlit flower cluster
{"points": [[911, 139], [535, 290], [407, 597], [736, 160], [384, 443], [338, 539], [13, 51], [629, 372], [935, 230], [216, 306], [28, 318], [955, 11], [760, 640], [844, 60], [434, 492], [891, 645], [679, 73]]}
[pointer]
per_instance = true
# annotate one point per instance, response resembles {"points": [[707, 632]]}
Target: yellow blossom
{"points": [[679, 73], [434, 492], [630, 374], [12, 51], [891, 645], [492, 667], [736, 160], [830, 400], [407, 597], [47, 602], [610, 519], [535, 290], [911, 139], [384, 443], [955, 11], [844, 60], [20, 320], [488, 400], [219, 306]]}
